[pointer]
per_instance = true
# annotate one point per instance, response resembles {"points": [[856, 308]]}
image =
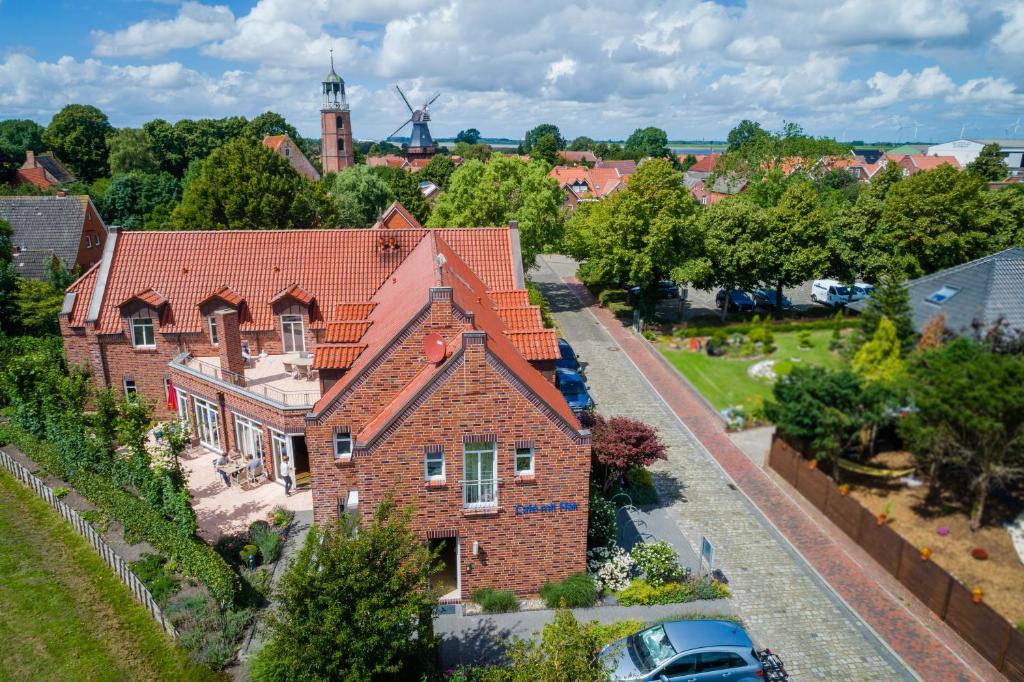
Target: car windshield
{"points": [[571, 387], [843, 291], [653, 647]]}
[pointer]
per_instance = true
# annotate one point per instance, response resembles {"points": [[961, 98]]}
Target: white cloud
{"points": [[195, 24], [1010, 39]]}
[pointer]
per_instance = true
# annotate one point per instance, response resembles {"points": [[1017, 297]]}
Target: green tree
{"points": [[534, 134], [969, 414], [270, 123], [688, 162], [8, 281], [582, 144], [478, 152], [352, 606], [167, 145], [1003, 218], [880, 359], [746, 133], [38, 304], [470, 136], [990, 164], [546, 149], [637, 235], [404, 187], [567, 652], [438, 171], [77, 134], [244, 186], [890, 301], [648, 142], [797, 247], [140, 200], [361, 196], [504, 189], [22, 135], [131, 150]]}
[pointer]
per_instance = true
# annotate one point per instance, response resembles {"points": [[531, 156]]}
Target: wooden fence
{"points": [[987, 631], [118, 565]]}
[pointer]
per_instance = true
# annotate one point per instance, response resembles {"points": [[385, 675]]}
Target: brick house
{"points": [[282, 145], [392, 361], [48, 228], [581, 183], [43, 170]]}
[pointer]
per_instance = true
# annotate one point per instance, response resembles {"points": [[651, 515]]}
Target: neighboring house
{"points": [[587, 184], [912, 164], [282, 145], [64, 227], [722, 188], [431, 378], [868, 156], [625, 167], [397, 217], [392, 160], [967, 151], [702, 169], [984, 291], [578, 158], [429, 190], [43, 170]]}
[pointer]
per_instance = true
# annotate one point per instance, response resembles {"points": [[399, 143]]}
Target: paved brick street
{"points": [[783, 599]]}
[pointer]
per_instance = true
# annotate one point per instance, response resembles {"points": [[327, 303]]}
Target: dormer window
{"points": [[213, 330], [143, 335], [292, 337]]}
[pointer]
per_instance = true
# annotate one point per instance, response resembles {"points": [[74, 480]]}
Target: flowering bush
{"points": [[610, 567], [658, 562]]}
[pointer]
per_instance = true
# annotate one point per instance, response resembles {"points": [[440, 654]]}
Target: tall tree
{"points": [[77, 134], [797, 248], [140, 200], [352, 605], [21, 135], [990, 164], [504, 189], [245, 186], [8, 281], [438, 171], [582, 144], [167, 145], [479, 151], [890, 301], [534, 134], [639, 234], [404, 187], [546, 149], [132, 150], [469, 136], [270, 123], [648, 142], [879, 359], [746, 133], [970, 414], [361, 196]]}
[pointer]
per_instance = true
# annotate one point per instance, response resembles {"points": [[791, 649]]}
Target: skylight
{"points": [[943, 295]]}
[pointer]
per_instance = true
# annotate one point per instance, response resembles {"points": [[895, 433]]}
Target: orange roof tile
{"points": [[293, 291], [345, 332], [274, 141], [226, 294], [149, 297], [527, 317], [353, 311], [537, 344], [336, 357], [486, 250], [705, 164], [517, 298], [83, 288], [397, 216]]}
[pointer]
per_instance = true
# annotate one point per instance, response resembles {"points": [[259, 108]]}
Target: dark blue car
{"points": [[737, 300], [766, 299], [567, 359], [574, 390]]}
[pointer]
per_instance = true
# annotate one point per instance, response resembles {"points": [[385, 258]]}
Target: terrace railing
{"points": [[285, 398]]}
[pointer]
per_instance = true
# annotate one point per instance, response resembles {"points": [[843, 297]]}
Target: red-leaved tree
{"points": [[620, 443]]}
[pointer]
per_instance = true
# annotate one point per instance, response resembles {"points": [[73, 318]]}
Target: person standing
{"points": [[286, 475], [219, 462]]}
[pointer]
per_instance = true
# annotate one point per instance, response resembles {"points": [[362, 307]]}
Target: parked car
{"points": [[568, 359], [830, 292], [765, 298], [738, 300], [859, 291], [691, 650], [666, 289], [574, 390]]}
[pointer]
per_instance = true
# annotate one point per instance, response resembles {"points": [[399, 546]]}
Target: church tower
{"points": [[336, 151]]}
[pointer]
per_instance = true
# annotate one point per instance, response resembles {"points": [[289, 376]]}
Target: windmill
{"points": [[421, 144], [1014, 127]]}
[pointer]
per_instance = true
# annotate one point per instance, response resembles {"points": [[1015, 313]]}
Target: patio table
{"points": [[232, 469], [301, 364]]}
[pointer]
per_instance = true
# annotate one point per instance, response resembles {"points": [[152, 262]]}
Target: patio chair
{"points": [[254, 476]]}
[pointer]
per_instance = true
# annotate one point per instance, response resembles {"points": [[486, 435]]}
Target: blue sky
{"points": [[859, 69]]}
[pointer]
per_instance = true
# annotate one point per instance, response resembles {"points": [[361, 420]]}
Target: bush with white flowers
{"points": [[657, 561], [610, 568]]}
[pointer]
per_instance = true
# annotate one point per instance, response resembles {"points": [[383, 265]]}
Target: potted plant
{"points": [[844, 489], [976, 595], [884, 516], [812, 464], [926, 552]]}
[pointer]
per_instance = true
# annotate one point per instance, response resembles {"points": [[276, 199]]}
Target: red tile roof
{"points": [[226, 294], [397, 216], [536, 344], [705, 164], [524, 317], [517, 298], [83, 288], [274, 141], [353, 311], [336, 357], [332, 266], [149, 297], [345, 332], [387, 160], [599, 181], [293, 291]]}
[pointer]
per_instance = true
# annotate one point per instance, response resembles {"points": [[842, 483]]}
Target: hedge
{"points": [[613, 296], [197, 559], [775, 327]]}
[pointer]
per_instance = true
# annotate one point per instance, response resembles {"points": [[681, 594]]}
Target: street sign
{"points": [[707, 553]]}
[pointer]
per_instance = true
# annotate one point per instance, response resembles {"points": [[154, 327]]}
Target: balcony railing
{"points": [[480, 493], [287, 398]]}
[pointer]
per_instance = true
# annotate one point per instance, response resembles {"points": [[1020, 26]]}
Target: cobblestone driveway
{"points": [[784, 603]]}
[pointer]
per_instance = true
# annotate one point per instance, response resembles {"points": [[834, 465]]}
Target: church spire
{"points": [[334, 89]]}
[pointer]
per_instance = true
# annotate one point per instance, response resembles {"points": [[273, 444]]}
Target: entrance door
{"points": [[278, 449], [207, 423], [300, 460], [182, 398], [446, 581]]}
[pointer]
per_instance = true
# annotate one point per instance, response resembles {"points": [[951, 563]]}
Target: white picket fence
{"points": [[115, 562]]}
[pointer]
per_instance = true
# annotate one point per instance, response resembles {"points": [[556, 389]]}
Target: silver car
{"points": [[689, 651]]}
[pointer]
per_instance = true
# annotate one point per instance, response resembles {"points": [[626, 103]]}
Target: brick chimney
{"points": [[229, 341], [30, 159]]}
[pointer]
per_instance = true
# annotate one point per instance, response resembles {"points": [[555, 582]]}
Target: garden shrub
{"points": [[248, 552], [774, 327], [576, 591], [282, 516], [657, 561], [610, 567], [209, 635], [152, 570], [609, 632], [60, 492], [496, 601], [621, 310], [601, 529], [641, 592], [613, 296], [804, 339], [710, 589], [638, 477], [267, 539]]}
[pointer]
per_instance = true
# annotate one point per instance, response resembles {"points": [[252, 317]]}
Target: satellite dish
{"points": [[434, 347]]}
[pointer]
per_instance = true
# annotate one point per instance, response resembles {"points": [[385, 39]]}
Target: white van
{"points": [[830, 292]]}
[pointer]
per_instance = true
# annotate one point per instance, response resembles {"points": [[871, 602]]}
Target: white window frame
{"points": [[212, 325], [248, 436], [182, 405], [141, 323], [342, 437], [132, 392], [480, 487], [432, 458], [207, 423], [288, 338], [523, 452]]}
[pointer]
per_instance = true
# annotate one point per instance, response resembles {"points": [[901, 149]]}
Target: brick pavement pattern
{"points": [[784, 601]]}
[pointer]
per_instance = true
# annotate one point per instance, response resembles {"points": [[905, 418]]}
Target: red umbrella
{"points": [[172, 396]]}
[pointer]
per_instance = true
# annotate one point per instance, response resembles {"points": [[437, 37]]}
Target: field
{"points": [[724, 380], [63, 614]]}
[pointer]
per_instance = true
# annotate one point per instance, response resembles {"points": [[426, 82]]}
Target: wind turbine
{"points": [[1014, 127], [420, 141]]}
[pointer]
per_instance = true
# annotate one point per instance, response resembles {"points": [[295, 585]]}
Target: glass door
{"points": [[292, 338], [207, 423], [278, 449], [249, 437], [182, 405], [480, 487]]}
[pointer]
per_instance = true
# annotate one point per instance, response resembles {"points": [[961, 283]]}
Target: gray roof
{"points": [[987, 290], [44, 227], [54, 167]]}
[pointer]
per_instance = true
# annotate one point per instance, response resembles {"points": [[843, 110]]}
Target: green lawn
{"points": [[724, 381], [63, 614]]}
